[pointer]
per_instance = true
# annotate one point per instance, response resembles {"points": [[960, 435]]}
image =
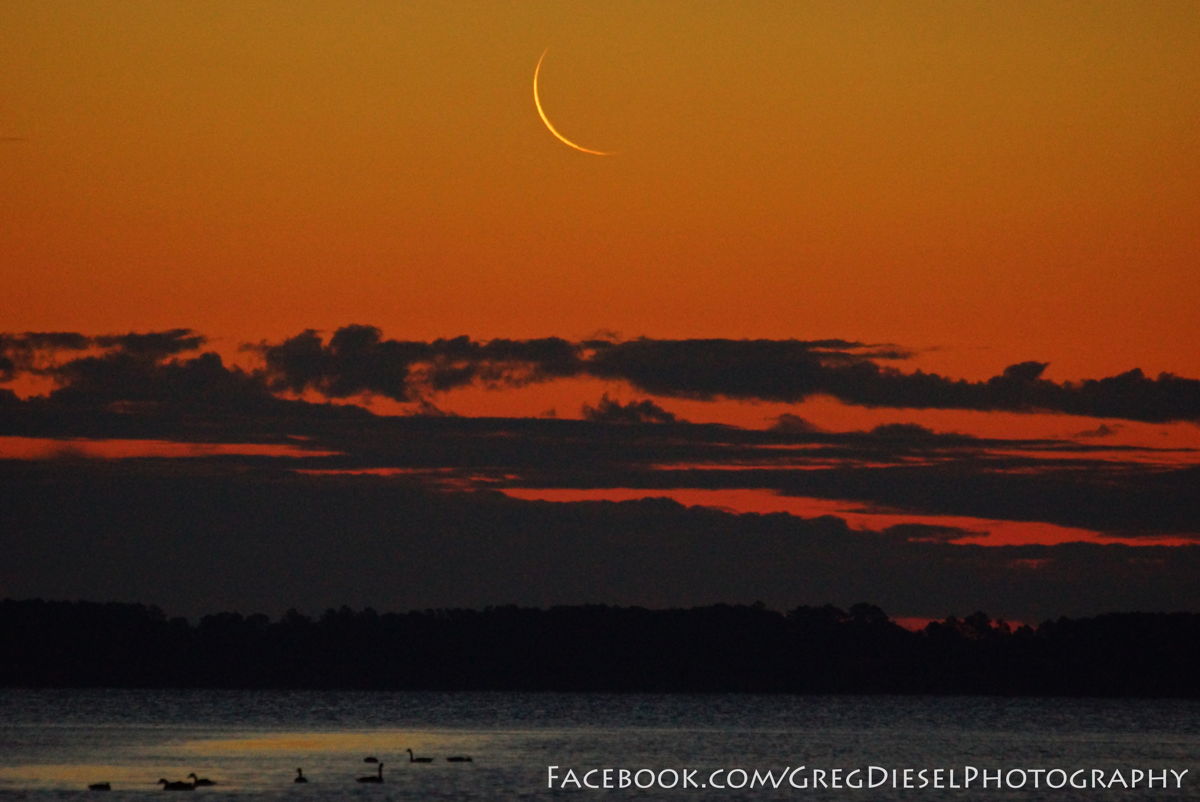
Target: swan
{"points": [[413, 759], [198, 781], [176, 786], [377, 778], [370, 760], [459, 759], [300, 778], [100, 787]]}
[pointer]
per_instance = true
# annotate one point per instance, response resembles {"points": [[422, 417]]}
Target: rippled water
{"points": [[54, 743]]}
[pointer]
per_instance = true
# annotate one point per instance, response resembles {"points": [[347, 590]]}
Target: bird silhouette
{"points": [[459, 759], [300, 778], [370, 760], [100, 787], [413, 759], [374, 778], [176, 786], [198, 781]]}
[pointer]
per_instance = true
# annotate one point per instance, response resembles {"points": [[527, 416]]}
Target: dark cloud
{"points": [[42, 352], [135, 383], [357, 359], [897, 466], [50, 340], [792, 371], [194, 541], [1025, 371], [264, 538], [153, 345], [33, 351], [771, 370], [1120, 499], [929, 533], [916, 433], [148, 386], [139, 382], [1103, 430], [142, 376], [608, 410], [793, 424]]}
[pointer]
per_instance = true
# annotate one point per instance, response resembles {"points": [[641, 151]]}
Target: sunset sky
{"points": [[1002, 182], [867, 190]]}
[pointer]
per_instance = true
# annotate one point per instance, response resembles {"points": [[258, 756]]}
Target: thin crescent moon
{"points": [[541, 113]]}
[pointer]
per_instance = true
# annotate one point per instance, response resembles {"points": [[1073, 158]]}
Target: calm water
{"points": [[54, 743]]}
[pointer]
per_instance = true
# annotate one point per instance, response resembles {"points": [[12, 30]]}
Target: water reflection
{"points": [[371, 742], [55, 743]]}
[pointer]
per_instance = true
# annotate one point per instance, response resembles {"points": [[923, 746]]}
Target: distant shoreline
{"points": [[597, 648]]}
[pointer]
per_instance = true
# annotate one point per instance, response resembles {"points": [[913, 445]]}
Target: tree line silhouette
{"points": [[722, 648]]}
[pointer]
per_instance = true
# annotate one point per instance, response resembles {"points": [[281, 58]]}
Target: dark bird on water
{"points": [[459, 759], [100, 787], [198, 781], [300, 778], [414, 759], [176, 786], [370, 760], [375, 778]]}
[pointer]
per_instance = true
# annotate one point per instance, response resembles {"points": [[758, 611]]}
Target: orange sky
{"points": [[998, 181]]}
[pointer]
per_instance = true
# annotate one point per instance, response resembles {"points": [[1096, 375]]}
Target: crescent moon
{"points": [[549, 125]]}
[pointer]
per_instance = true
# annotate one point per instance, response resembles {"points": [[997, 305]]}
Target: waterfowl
{"points": [[375, 778], [300, 778], [198, 781], [100, 787], [370, 760], [176, 786], [459, 759], [414, 759]]}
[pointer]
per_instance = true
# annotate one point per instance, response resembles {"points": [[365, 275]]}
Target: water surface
{"points": [[54, 743]]}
